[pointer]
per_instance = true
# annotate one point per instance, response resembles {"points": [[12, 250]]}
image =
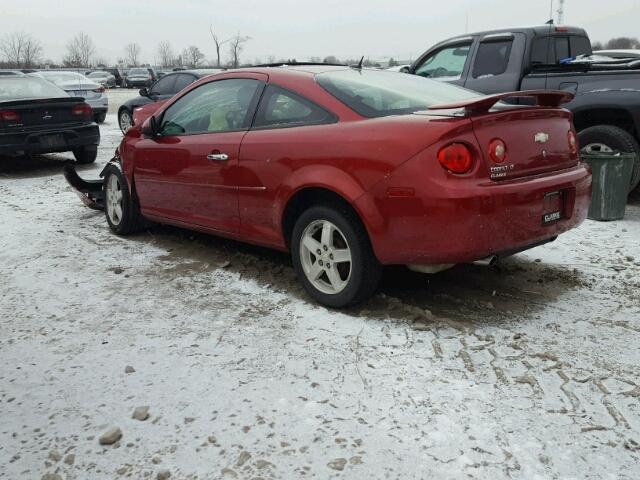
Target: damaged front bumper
{"points": [[90, 191]]}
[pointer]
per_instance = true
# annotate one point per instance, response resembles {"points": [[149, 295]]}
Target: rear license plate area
{"points": [[55, 140], [553, 207]]}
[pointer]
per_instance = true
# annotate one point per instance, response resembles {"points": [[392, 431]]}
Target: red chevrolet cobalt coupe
{"points": [[351, 169]]}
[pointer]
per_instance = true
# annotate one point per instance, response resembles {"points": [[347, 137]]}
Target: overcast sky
{"points": [[296, 29]]}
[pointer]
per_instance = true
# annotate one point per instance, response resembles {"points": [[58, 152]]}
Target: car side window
{"points": [[282, 108], [182, 81], [492, 58], [219, 106], [447, 63], [164, 86]]}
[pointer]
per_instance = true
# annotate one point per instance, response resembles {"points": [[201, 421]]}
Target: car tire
{"points": [[335, 232], [86, 154], [609, 138], [100, 117], [125, 118], [120, 207]]}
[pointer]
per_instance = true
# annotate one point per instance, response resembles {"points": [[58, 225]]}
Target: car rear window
{"points": [[25, 87], [373, 93]]}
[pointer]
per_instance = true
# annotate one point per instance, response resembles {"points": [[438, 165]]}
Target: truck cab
{"points": [[606, 106]]}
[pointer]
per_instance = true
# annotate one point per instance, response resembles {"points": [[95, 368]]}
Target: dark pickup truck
{"points": [[606, 106]]}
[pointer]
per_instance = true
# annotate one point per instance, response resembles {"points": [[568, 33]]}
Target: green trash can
{"points": [[611, 177]]}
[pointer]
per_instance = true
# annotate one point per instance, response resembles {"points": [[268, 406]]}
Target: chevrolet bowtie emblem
{"points": [[541, 137]]}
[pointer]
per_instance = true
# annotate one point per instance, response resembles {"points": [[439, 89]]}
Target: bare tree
{"points": [[236, 45], [20, 50], [80, 51], [623, 43], [218, 42], [192, 56], [165, 52], [132, 54]]}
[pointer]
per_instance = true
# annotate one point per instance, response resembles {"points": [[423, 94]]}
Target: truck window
{"points": [[550, 50], [445, 64], [562, 48], [580, 46], [492, 58]]}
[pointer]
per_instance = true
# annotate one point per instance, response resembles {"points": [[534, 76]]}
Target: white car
{"points": [[399, 68], [77, 85], [631, 54]]}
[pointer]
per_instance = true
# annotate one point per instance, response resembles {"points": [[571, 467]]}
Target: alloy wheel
{"points": [[113, 200], [126, 122], [325, 257]]}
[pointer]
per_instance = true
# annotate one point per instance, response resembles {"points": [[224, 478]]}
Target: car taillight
{"points": [[497, 150], [99, 89], [573, 142], [82, 110], [10, 117], [456, 158]]}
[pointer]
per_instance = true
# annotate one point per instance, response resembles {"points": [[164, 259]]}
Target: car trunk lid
{"points": [[23, 114], [536, 137]]}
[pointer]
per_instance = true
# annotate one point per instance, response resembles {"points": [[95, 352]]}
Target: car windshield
{"points": [[98, 74], [138, 71], [16, 87], [374, 93]]}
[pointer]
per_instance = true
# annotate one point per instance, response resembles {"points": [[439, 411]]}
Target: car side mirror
{"points": [[144, 92], [404, 69], [150, 127]]}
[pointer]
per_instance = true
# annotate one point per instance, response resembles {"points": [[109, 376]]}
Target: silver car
{"points": [[78, 85], [103, 78]]}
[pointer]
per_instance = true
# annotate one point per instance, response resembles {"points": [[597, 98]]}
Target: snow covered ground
{"points": [[529, 371]]}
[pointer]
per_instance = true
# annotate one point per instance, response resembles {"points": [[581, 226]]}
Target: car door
{"points": [[497, 63], [188, 172], [448, 63]]}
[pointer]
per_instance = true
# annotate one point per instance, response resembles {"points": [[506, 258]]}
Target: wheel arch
{"points": [[616, 116], [309, 195]]}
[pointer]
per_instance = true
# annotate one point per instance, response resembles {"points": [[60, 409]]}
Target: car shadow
{"points": [[34, 166], [465, 294]]}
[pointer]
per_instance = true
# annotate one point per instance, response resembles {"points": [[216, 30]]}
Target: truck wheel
{"points": [[333, 257], [122, 211], [609, 138], [86, 154]]}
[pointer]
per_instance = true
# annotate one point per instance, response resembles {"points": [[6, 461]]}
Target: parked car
{"points": [[118, 75], [103, 78], [140, 77], [159, 92], [351, 169], [10, 72], [400, 68], [77, 85], [38, 117], [606, 106], [626, 54]]}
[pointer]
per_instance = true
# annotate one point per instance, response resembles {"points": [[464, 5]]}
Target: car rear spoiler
{"points": [[543, 98], [89, 191]]}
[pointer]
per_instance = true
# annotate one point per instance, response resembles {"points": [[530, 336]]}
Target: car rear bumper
{"points": [[35, 141], [464, 220]]}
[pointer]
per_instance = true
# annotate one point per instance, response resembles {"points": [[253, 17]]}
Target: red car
{"points": [[351, 169]]}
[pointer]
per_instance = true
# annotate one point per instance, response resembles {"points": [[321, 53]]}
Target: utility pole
{"points": [[561, 12]]}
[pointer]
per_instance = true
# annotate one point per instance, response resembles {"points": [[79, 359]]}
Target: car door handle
{"points": [[220, 157]]}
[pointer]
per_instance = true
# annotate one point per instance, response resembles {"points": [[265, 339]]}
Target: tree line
{"points": [[23, 50]]}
